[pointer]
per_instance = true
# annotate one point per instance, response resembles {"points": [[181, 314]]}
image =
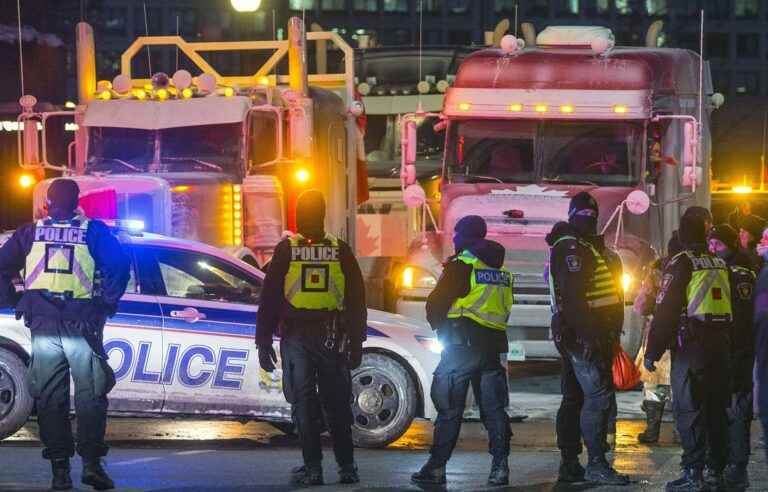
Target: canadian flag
{"points": [[99, 203]]}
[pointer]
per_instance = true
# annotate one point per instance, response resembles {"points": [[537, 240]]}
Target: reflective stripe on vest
{"points": [[490, 298], [708, 293], [59, 261], [314, 279], [601, 290]]}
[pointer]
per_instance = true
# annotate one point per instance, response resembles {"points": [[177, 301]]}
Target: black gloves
{"points": [[649, 365], [267, 358], [355, 357]]}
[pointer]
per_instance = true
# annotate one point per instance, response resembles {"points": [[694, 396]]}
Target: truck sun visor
{"points": [[155, 115]]}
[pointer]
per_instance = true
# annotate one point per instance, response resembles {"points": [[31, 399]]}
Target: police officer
{"points": [[588, 314], [694, 317], [314, 297], [74, 274], [469, 308], [723, 243], [750, 233], [656, 386]]}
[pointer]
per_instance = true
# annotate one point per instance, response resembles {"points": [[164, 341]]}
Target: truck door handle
{"points": [[190, 315]]}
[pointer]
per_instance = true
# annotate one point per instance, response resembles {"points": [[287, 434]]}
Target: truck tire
{"points": [[384, 401], [15, 401]]}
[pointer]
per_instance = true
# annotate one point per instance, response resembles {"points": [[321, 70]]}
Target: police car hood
{"points": [[381, 319]]}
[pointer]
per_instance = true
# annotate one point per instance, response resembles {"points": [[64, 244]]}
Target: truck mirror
{"points": [[638, 202], [690, 144], [408, 175], [31, 143], [409, 142]]}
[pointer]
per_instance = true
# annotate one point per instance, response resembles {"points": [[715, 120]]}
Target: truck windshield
{"points": [[571, 152], [205, 148]]}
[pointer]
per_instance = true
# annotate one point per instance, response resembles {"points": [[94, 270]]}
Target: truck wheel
{"points": [[15, 401], [384, 401]]}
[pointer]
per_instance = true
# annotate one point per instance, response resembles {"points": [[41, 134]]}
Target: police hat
{"points": [[726, 234]]}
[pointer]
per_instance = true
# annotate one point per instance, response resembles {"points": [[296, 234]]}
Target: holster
{"points": [[336, 338]]}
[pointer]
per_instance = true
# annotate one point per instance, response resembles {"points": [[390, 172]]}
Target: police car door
{"points": [[209, 310], [133, 342]]}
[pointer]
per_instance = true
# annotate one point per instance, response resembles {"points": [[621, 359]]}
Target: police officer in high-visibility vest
{"points": [[723, 243], [469, 308], [314, 298], [694, 316], [74, 273], [588, 313]]}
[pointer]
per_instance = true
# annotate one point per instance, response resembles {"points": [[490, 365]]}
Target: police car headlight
{"points": [[626, 281], [413, 277], [430, 343]]}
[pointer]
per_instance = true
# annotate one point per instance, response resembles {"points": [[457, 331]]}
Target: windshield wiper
{"points": [[568, 181], [119, 161], [195, 160], [477, 176]]}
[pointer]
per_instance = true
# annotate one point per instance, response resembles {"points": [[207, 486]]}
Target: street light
{"points": [[245, 5]]}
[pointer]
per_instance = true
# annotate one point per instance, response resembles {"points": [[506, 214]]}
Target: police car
{"points": [[182, 344]]}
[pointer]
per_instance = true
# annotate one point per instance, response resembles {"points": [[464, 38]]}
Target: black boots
{"points": [[599, 471], [348, 474], [499, 472], [95, 476], [61, 479], [736, 477], [654, 410], [430, 474], [308, 475], [692, 480], [570, 471]]}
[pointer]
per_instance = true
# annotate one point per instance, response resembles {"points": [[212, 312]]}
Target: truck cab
{"points": [[529, 127]]}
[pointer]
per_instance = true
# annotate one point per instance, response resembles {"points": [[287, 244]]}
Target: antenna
{"points": [[146, 32], [21, 49], [516, 4], [701, 90], [177, 47], [419, 108]]}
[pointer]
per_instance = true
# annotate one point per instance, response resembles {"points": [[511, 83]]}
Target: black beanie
{"points": [[754, 225], [63, 197], [582, 213], [310, 215], [726, 234], [701, 212], [692, 230]]}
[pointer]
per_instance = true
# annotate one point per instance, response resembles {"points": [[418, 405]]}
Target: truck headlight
{"points": [[430, 343], [413, 277], [626, 282]]}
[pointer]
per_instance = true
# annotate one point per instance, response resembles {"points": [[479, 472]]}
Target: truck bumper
{"points": [[529, 327]]}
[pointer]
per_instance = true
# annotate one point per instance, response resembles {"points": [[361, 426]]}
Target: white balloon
{"points": [[600, 45], [638, 202], [182, 79], [121, 84], [509, 44], [414, 196]]}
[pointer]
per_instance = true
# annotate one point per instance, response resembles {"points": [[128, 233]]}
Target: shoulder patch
{"points": [[744, 290], [573, 262]]}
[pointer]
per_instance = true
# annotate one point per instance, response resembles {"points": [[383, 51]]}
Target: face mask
{"points": [[762, 250]]}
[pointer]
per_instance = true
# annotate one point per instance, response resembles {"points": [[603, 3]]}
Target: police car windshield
{"points": [[204, 148], [569, 152]]}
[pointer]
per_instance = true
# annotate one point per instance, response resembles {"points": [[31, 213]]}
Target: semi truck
{"points": [[202, 155], [530, 124]]}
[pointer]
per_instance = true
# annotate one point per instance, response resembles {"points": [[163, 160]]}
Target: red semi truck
{"points": [[526, 128]]}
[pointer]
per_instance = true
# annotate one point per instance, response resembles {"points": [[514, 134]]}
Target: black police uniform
{"points": [[585, 338], [471, 356], [700, 373], [740, 412], [316, 373], [67, 338]]}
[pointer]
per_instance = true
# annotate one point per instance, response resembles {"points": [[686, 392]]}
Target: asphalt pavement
{"points": [[217, 456]]}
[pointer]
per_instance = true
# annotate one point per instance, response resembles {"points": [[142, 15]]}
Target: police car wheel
{"points": [[15, 401], [384, 401]]}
